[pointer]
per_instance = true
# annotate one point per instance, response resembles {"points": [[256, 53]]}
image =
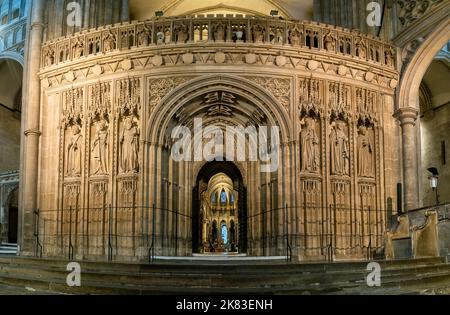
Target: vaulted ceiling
{"points": [[294, 9]]}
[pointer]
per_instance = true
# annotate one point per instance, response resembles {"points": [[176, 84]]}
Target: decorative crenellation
{"points": [[188, 30]]}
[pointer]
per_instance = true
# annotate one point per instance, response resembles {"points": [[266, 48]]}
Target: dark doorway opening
{"points": [[13, 221]]}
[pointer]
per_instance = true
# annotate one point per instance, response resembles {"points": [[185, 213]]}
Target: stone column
{"points": [[31, 128], [407, 117]]}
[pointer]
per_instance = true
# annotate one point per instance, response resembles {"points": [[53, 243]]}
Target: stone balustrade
{"points": [[229, 29]]}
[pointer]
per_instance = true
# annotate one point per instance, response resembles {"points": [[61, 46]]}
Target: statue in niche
{"points": [[99, 149], [49, 57], [73, 152], [182, 34], [389, 58], [339, 149], [129, 145], [167, 37], [310, 147], [78, 49], [365, 153], [330, 42], [143, 37], [109, 44], [219, 33], [361, 50], [294, 37], [279, 36], [258, 34]]}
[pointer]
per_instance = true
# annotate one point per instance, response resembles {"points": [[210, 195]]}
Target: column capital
{"points": [[32, 132], [407, 115]]}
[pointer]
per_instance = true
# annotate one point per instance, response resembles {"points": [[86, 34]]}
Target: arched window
{"points": [[4, 6], [232, 198], [224, 233], [223, 197], [213, 198], [15, 9]]}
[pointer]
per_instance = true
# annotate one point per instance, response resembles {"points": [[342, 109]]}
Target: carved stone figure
{"points": [[182, 32], [129, 143], [219, 33], [339, 149], [143, 37], [78, 49], [294, 37], [49, 57], [389, 58], [365, 153], [167, 37], [279, 38], [109, 43], [361, 50], [99, 150], [330, 42], [310, 147], [258, 33], [73, 152]]}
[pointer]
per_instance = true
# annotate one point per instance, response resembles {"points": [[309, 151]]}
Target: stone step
{"points": [[8, 249], [295, 279]]}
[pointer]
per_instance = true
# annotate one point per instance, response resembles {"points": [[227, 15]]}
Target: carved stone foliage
{"points": [[339, 101], [366, 106], [410, 11], [158, 88], [279, 88], [129, 97], [72, 109], [311, 100]]}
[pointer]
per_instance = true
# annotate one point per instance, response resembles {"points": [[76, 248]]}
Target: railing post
{"points": [[110, 234], [151, 250], [286, 222], [70, 233]]}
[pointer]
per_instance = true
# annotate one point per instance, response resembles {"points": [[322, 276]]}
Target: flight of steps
{"points": [[8, 249], [178, 277]]}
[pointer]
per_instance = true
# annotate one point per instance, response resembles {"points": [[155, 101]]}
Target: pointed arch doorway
{"points": [[219, 216]]}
